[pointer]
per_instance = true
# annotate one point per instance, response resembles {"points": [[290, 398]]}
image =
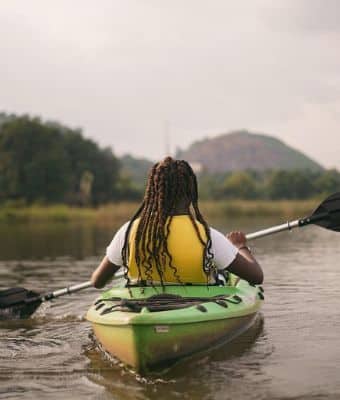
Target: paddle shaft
{"points": [[67, 290], [72, 289], [288, 226], [274, 229]]}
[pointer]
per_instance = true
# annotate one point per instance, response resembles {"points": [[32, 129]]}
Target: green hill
{"points": [[242, 150]]}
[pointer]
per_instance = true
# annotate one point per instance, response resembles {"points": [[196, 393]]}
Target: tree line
{"points": [[50, 163], [47, 162], [269, 185]]}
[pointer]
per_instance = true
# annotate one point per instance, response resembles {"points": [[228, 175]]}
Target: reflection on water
{"points": [[51, 240], [294, 354]]}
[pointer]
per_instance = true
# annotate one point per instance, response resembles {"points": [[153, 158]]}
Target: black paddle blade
{"points": [[327, 215], [18, 303]]}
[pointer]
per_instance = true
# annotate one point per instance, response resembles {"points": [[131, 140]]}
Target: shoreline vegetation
{"points": [[121, 211]]}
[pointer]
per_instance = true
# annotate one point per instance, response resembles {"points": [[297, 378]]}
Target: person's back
{"points": [[168, 240], [184, 246]]}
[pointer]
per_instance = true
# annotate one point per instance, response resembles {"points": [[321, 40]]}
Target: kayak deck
{"points": [[146, 339]]}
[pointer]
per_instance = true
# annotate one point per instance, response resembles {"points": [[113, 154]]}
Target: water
{"points": [[293, 352]]}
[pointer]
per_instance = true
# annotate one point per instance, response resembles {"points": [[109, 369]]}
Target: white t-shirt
{"points": [[221, 247]]}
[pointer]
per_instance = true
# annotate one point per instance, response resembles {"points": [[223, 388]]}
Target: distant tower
{"points": [[167, 150]]}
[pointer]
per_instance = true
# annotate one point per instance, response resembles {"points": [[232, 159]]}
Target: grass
{"points": [[120, 212], [259, 208], [49, 213]]}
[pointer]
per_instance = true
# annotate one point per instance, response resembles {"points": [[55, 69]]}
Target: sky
{"points": [[145, 76]]}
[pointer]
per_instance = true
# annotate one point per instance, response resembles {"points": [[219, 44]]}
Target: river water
{"points": [[292, 352]]}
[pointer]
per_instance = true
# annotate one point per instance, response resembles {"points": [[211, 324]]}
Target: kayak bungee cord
{"points": [[162, 302]]}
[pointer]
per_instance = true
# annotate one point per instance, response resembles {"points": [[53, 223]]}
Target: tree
{"points": [[328, 182], [84, 155], [33, 163], [290, 185], [47, 161], [210, 186], [240, 185]]}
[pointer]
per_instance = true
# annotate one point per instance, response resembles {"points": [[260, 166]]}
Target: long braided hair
{"points": [[171, 184]]}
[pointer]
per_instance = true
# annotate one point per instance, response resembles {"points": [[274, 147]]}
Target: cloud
{"points": [[309, 16]]}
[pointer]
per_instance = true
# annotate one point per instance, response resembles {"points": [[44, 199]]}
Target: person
{"points": [[169, 241]]}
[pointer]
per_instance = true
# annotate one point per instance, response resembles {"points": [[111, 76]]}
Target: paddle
{"points": [[21, 303], [326, 215], [17, 302]]}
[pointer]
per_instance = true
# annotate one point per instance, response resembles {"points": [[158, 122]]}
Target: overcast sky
{"points": [[129, 71]]}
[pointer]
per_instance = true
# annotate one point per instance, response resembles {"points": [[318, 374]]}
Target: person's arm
{"points": [[112, 261], [103, 273], [244, 265]]}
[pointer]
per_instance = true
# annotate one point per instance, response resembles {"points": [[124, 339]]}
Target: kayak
{"points": [[149, 328]]}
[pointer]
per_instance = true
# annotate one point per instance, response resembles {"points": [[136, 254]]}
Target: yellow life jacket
{"points": [[185, 248]]}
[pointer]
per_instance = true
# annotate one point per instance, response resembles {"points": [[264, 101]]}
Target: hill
{"points": [[242, 150]]}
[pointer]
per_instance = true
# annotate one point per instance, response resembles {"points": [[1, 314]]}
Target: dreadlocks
{"points": [[171, 185]]}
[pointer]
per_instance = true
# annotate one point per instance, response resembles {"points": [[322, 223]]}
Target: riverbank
{"points": [[120, 212]]}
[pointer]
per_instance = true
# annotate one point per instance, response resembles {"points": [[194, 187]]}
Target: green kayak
{"points": [[151, 327]]}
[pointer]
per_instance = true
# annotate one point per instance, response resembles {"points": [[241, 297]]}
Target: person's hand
{"points": [[237, 238]]}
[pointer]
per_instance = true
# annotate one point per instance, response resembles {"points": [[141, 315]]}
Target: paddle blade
{"points": [[18, 303], [327, 215]]}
